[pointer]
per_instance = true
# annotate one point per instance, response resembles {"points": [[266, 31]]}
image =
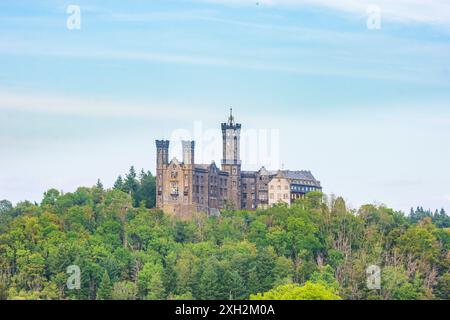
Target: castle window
{"points": [[174, 187]]}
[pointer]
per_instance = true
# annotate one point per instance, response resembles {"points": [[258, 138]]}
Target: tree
{"points": [[156, 290], [5, 207], [124, 290], [131, 186], [397, 285], [443, 287], [315, 249], [265, 264], [310, 291], [6, 214], [4, 285], [234, 286], [209, 281], [150, 282], [326, 278], [99, 185], [147, 189], [105, 289], [118, 185], [441, 219], [50, 197]]}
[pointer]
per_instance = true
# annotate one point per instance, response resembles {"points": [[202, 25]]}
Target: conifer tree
{"points": [[105, 288]]}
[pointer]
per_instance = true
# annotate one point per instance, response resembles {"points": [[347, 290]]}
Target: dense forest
{"points": [[126, 249]]}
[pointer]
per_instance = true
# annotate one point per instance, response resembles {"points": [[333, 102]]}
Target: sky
{"points": [[364, 106]]}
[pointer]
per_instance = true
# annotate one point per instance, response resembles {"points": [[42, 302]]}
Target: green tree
{"points": [[50, 197], [325, 276], [118, 185], [209, 281], [105, 289], [150, 282], [310, 291], [124, 290], [99, 185], [147, 189]]}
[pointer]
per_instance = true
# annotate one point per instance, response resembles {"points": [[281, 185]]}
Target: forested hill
{"points": [[317, 249]]}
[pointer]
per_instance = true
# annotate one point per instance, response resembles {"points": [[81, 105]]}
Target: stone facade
{"points": [[185, 187]]}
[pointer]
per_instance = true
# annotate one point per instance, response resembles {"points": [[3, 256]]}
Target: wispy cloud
{"points": [[281, 60], [352, 54], [94, 107], [436, 12]]}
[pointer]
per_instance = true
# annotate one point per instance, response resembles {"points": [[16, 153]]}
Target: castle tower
{"points": [[188, 152], [231, 162], [162, 152], [162, 160], [188, 179]]}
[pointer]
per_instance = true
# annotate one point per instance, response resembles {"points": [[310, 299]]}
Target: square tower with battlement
{"points": [[231, 161]]}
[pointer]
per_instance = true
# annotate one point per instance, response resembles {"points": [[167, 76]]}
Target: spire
{"points": [[231, 118]]}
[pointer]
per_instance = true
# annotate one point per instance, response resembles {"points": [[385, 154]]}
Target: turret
{"points": [[188, 152], [162, 153], [231, 162], [231, 135]]}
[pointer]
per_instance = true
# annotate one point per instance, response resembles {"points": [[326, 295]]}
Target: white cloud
{"points": [[380, 68], [64, 105], [436, 12]]}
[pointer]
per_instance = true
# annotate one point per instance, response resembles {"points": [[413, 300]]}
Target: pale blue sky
{"points": [[367, 111]]}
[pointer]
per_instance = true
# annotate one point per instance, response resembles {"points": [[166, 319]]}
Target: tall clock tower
{"points": [[231, 162]]}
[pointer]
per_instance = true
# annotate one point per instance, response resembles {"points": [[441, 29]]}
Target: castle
{"points": [[183, 188]]}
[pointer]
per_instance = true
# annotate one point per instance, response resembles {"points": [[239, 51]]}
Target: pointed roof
{"points": [[299, 175], [231, 123], [231, 118], [174, 161], [264, 172]]}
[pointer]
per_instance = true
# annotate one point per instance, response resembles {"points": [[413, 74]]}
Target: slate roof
{"points": [[300, 175], [207, 167], [202, 166]]}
